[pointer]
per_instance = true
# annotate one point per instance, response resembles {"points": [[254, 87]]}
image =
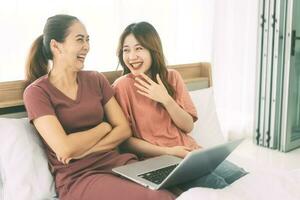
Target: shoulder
{"points": [[174, 77], [173, 73], [123, 81], [39, 86], [37, 92]]}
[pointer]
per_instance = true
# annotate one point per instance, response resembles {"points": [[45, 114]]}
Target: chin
{"points": [[80, 67], [135, 73]]}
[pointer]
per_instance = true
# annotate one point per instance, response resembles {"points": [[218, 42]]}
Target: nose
{"points": [[86, 46], [132, 55]]}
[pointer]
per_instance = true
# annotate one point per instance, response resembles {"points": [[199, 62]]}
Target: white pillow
{"points": [[23, 162], [207, 131]]}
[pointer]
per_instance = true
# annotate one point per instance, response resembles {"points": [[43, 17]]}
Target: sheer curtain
{"points": [[185, 28], [234, 65], [219, 31]]}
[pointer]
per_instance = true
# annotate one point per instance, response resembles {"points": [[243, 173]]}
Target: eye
{"points": [[125, 50], [80, 39], [139, 48]]}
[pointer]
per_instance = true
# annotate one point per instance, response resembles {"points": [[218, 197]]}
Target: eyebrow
{"points": [[81, 35], [134, 45]]}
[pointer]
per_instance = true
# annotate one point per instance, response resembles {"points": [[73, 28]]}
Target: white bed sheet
{"points": [[274, 185]]}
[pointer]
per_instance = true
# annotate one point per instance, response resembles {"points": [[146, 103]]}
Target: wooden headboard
{"points": [[193, 74]]}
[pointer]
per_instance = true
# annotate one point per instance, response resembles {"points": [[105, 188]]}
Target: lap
{"points": [[229, 171], [109, 186], [225, 174]]}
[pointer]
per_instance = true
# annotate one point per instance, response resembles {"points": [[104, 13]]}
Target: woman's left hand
{"points": [[152, 90], [179, 151], [63, 160]]}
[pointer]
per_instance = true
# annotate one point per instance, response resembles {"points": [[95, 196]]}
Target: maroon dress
{"points": [[91, 177]]}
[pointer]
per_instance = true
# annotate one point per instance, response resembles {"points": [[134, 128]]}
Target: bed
{"points": [[23, 164], [24, 170]]}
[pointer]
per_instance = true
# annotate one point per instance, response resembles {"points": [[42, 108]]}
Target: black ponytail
{"points": [[37, 63]]}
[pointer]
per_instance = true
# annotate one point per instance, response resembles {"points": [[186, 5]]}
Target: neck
{"points": [[60, 76]]}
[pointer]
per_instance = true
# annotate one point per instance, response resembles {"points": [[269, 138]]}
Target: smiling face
{"points": [[74, 49], [135, 56]]}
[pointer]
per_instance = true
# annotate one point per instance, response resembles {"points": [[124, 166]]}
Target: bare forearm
{"points": [[180, 117], [110, 141], [120, 131], [68, 145], [85, 140], [141, 147], [115, 137]]}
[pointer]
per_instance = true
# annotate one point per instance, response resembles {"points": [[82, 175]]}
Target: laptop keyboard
{"points": [[157, 176]]}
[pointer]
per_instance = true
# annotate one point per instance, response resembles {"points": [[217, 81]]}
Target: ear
{"points": [[55, 47]]}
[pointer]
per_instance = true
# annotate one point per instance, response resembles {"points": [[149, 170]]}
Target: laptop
{"points": [[164, 171]]}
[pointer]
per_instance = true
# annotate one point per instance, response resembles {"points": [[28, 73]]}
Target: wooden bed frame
{"points": [[11, 92]]}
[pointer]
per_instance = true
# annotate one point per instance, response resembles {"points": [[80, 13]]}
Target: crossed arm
{"points": [[102, 138]]}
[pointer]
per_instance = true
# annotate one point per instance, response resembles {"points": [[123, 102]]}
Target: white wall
{"points": [[185, 27]]}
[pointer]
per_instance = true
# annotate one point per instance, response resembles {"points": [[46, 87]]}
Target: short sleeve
{"points": [[37, 102], [122, 98], [106, 89], [183, 97]]}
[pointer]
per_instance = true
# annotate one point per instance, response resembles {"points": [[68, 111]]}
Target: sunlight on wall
{"points": [[185, 28]]}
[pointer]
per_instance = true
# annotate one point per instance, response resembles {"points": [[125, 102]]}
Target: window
{"points": [[185, 27]]}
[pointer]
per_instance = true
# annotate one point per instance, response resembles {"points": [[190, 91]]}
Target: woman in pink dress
{"points": [[67, 107]]}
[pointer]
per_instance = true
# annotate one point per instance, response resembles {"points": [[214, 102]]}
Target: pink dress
{"points": [[91, 177]]}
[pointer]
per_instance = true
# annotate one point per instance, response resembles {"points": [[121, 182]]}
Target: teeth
{"points": [[135, 65], [81, 58]]}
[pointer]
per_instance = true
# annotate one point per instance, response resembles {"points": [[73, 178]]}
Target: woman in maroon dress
{"points": [[67, 106]]}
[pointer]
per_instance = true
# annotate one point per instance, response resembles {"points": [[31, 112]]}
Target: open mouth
{"points": [[136, 65], [81, 57]]}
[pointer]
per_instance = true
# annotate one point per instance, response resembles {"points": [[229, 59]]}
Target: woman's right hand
{"points": [[179, 151]]}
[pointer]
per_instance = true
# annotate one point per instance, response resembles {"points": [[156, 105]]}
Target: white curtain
{"points": [[223, 32], [185, 27], [234, 65]]}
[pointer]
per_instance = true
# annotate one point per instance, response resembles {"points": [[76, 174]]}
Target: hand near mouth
{"points": [[152, 90]]}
